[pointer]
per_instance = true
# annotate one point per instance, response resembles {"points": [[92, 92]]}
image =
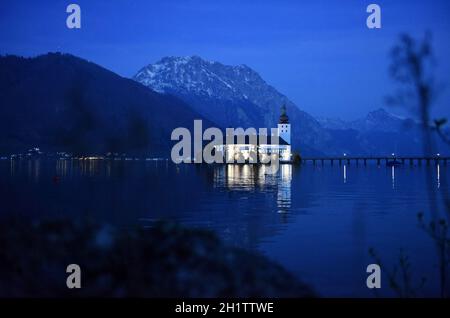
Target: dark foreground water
{"points": [[318, 222]]}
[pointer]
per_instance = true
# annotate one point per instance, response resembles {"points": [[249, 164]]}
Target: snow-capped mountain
{"points": [[332, 123], [231, 96], [195, 75], [378, 133], [378, 120], [237, 96]]}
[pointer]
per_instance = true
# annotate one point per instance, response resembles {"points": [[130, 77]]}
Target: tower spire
{"points": [[284, 119]]}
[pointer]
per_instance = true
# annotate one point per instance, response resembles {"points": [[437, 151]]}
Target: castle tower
{"points": [[284, 128]]}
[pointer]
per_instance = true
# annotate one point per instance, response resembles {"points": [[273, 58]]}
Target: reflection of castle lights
{"points": [[237, 177], [284, 189], [246, 173], [240, 177], [286, 172]]}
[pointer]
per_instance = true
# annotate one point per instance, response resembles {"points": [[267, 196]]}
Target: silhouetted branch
{"points": [[439, 124], [412, 67]]}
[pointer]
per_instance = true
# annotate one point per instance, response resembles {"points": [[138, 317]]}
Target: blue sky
{"points": [[318, 53]]}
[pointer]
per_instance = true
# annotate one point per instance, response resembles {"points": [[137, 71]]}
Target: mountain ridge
{"points": [[378, 119], [65, 103], [232, 96], [238, 96]]}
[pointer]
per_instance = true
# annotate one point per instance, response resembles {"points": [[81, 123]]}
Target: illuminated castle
{"points": [[262, 148]]}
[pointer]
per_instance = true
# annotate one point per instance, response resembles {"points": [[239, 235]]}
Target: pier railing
{"points": [[379, 160]]}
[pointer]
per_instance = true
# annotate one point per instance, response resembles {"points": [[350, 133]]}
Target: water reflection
{"points": [[438, 176], [241, 177], [284, 189], [393, 177], [250, 177], [246, 206], [12, 168], [30, 168], [61, 168], [345, 174]]}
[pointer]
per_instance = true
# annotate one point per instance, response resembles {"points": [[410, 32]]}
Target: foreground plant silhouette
{"points": [[166, 260], [412, 67]]}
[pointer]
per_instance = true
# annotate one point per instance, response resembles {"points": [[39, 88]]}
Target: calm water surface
{"points": [[318, 222]]}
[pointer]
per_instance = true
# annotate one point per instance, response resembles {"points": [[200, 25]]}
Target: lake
{"points": [[317, 221]]}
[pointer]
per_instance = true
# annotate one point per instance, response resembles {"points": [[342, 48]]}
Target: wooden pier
{"points": [[378, 160]]}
